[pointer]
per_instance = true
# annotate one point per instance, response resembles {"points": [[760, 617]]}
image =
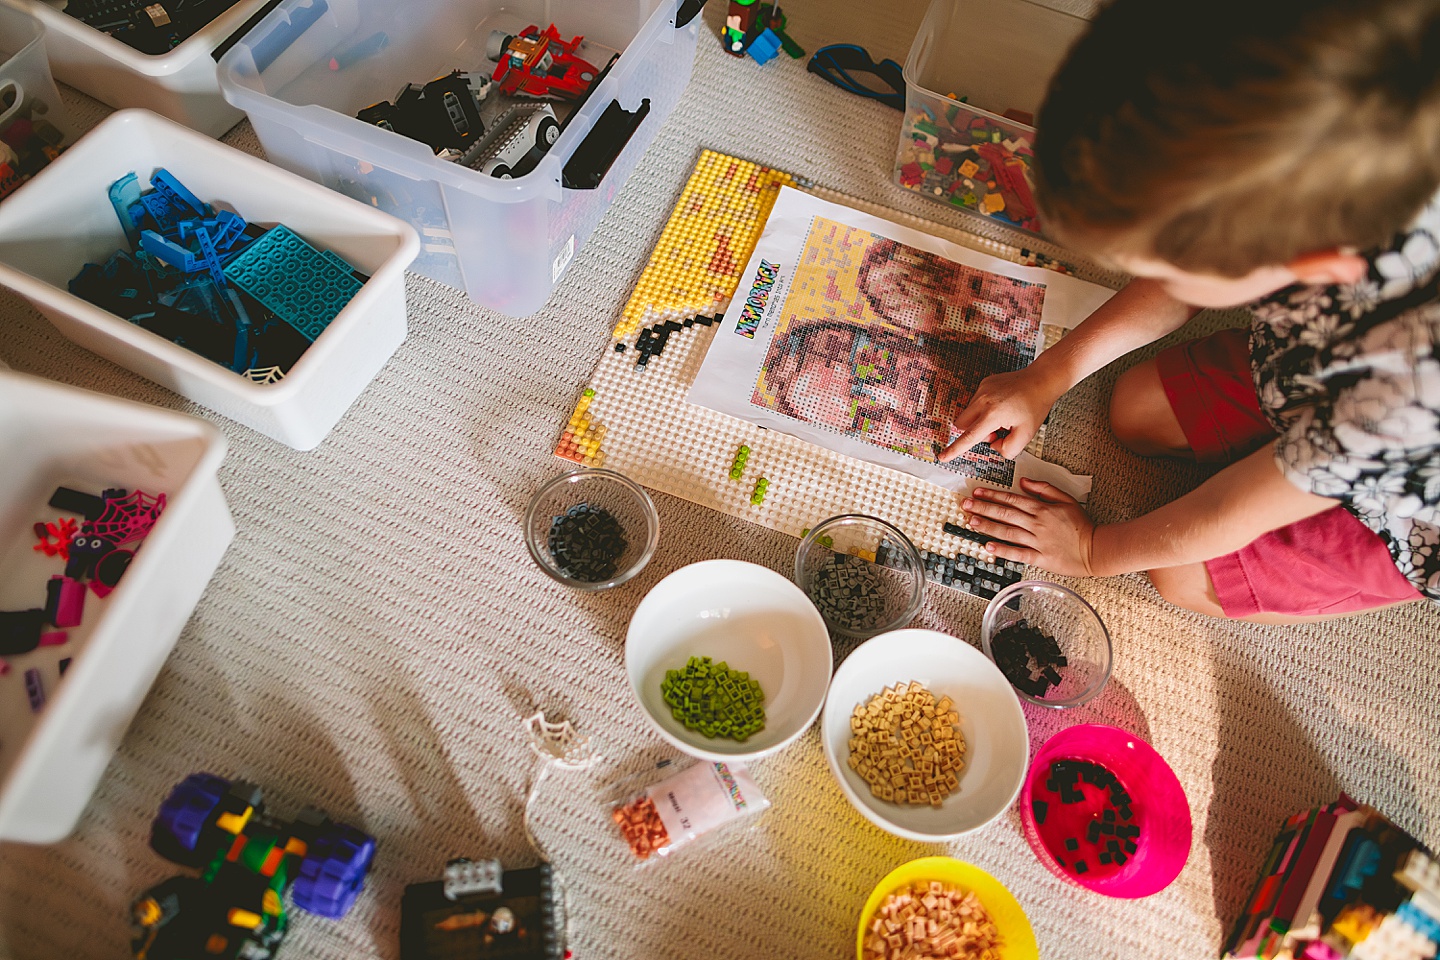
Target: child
{"points": [[1282, 155]]}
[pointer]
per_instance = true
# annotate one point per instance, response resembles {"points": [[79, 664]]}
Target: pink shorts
{"points": [[1330, 563]]}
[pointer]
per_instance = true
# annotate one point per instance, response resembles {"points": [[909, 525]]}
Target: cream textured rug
{"points": [[377, 630]]}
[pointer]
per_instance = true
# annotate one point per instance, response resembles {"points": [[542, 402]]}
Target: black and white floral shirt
{"points": [[1349, 376]]}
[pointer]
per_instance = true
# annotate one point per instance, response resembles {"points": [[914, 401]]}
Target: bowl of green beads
{"points": [[728, 660]]}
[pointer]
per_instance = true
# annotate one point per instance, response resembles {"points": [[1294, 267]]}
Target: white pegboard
{"points": [[635, 419]]}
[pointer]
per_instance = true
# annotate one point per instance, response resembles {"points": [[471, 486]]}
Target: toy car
{"points": [[503, 151], [235, 909], [539, 64], [479, 911], [444, 113]]}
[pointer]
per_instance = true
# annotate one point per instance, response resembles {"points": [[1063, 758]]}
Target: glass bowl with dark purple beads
{"points": [[591, 529], [1048, 642]]}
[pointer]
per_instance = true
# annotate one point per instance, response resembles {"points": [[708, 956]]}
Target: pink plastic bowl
{"points": [[1157, 806]]}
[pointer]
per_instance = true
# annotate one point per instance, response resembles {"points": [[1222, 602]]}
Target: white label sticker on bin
{"points": [[562, 259]]}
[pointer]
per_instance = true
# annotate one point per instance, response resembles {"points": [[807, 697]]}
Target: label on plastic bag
{"points": [[702, 797]]}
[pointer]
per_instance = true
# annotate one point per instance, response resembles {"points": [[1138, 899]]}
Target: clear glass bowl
{"points": [[1077, 629], [863, 575], [591, 529]]}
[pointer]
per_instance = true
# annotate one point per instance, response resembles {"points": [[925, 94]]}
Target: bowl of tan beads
{"points": [[939, 907], [924, 735]]}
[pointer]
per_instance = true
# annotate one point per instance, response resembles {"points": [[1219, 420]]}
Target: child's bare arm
{"points": [[1050, 530], [1019, 402]]}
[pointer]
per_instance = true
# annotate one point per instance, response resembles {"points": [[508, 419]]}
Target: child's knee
{"points": [[1141, 417], [1189, 587]]}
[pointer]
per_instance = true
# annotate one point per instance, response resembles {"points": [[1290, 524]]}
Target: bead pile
{"points": [[932, 920], [715, 700], [907, 746], [849, 593], [586, 543], [1111, 837], [1029, 657], [640, 823]]}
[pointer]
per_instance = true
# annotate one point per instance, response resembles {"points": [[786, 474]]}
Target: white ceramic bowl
{"points": [[752, 618], [997, 745]]}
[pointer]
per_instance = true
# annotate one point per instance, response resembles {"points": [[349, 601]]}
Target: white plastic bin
{"points": [[180, 85], [999, 55], [504, 242], [63, 219], [50, 436], [25, 78]]}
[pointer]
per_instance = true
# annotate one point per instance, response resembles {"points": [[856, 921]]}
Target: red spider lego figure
{"points": [[61, 530], [539, 64]]}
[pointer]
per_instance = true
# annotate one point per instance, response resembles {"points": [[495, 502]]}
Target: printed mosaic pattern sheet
{"points": [[866, 337]]}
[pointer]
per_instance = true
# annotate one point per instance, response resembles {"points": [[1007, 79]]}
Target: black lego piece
{"points": [[87, 505], [20, 630]]}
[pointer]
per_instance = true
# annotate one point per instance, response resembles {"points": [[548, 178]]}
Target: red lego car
{"points": [[540, 64]]}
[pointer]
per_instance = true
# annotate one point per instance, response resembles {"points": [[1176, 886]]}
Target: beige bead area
{"points": [[932, 920], [907, 745]]}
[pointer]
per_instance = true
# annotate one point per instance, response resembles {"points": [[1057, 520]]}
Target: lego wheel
{"points": [[496, 43], [547, 133], [184, 815], [333, 871], [501, 172]]}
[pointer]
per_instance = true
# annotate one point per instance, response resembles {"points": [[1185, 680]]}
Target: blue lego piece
{"points": [[333, 870], [224, 229], [293, 280], [124, 195], [338, 260], [185, 813], [764, 47], [168, 251], [1419, 921], [168, 202]]}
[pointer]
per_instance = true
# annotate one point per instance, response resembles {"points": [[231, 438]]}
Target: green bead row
{"points": [[715, 700]]}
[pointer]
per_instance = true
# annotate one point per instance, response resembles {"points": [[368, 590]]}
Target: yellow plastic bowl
{"points": [[1017, 940]]}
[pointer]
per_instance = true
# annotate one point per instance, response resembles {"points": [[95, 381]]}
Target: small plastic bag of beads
{"points": [[695, 800]]}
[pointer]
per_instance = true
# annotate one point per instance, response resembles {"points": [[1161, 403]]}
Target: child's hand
{"points": [[1017, 402], [1049, 529]]}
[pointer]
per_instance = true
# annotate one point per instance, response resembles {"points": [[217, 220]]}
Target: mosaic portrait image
{"points": [[885, 343]]}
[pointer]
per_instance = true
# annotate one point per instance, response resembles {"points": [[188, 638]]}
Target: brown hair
{"points": [[1226, 135]]}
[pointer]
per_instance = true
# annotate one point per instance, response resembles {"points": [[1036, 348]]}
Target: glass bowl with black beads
{"points": [[862, 573], [1048, 642], [591, 529]]}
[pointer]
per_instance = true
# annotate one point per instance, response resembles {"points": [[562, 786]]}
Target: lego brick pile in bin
{"points": [[969, 161], [153, 27], [96, 553], [27, 143], [248, 298], [445, 113]]}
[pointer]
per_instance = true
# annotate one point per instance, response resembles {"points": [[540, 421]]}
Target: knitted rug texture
{"points": [[377, 631]]}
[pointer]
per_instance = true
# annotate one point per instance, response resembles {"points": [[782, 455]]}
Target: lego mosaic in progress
{"points": [[633, 416], [880, 341]]}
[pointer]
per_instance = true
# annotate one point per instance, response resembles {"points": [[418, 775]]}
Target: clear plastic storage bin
{"points": [[53, 435], [63, 219], [180, 85], [26, 87], [506, 243], [998, 55]]}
